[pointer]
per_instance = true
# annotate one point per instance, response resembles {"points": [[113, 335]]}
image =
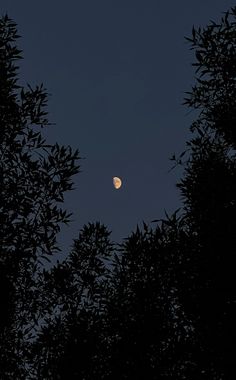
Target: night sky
{"points": [[117, 72]]}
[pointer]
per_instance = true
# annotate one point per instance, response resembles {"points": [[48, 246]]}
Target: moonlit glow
{"points": [[117, 182]]}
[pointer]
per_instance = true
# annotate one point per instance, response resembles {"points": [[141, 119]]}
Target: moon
{"points": [[117, 182]]}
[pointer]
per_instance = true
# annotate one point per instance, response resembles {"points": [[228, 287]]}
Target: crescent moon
{"points": [[117, 182]]}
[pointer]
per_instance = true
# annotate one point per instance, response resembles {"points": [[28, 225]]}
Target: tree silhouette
{"points": [[161, 304], [115, 312], [208, 188], [33, 179], [149, 331], [77, 291]]}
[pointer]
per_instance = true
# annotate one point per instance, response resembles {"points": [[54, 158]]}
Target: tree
{"points": [[149, 332], [159, 305], [33, 179], [69, 342], [116, 314], [208, 188]]}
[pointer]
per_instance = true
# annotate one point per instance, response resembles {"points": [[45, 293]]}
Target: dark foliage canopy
{"points": [[33, 179], [160, 305]]}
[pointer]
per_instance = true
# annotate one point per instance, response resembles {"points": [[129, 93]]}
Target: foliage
{"points": [[161, 304], [208, 188], [34, 177], [77, 291]]}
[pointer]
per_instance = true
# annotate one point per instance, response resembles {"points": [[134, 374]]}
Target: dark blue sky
{"points": [[117, 72]]}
